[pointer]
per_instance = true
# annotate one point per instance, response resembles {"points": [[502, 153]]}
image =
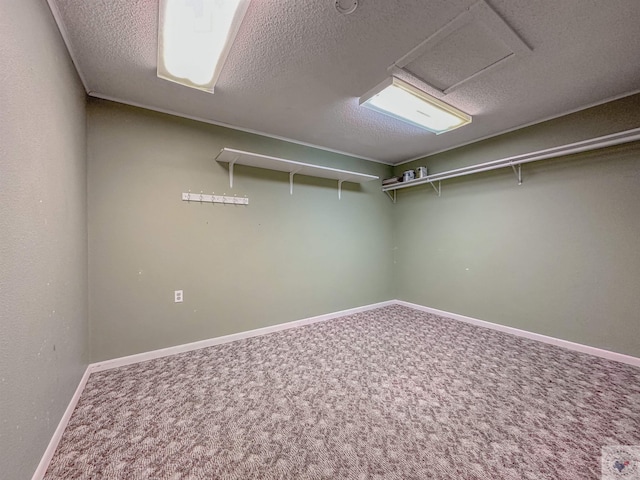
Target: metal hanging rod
{"points": [[517, 160]]}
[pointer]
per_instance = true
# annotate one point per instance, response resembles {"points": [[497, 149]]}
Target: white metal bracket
{"points": [[439, 189], [213, 198], [518, 172], [231, 163], [392, 197], [340, 189], [291, 174]]}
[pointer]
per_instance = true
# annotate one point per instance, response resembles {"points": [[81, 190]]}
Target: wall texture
{"points": [[43, 235], [557, 255], [280, 258]]}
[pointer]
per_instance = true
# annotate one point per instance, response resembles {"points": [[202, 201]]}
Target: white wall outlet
{"points": [[178, 296]]}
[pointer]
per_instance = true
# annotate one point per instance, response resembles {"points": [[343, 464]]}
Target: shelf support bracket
{"points": [[439, 189], [231, 163], [340, 189], [392, 197], [518, 172], [291, 174]]}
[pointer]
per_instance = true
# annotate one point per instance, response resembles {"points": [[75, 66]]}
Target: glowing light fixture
{"points": [[405, 102], [194, 38]]}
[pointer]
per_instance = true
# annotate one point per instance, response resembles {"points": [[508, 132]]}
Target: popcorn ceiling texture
{"points": [[392, 393], [297, 68]]}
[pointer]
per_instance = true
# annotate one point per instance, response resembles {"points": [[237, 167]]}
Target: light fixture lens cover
{"points": [[405, 102], [194, 38]]}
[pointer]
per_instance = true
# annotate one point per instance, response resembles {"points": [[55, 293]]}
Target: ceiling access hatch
{"points": [[471, 44]]}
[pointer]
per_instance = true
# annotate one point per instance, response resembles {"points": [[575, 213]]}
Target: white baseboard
{"points": [[62, 425], [164, 352], [578, 347]]}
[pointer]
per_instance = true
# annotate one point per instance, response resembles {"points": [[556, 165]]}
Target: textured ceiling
{"points": [[297, 68]]}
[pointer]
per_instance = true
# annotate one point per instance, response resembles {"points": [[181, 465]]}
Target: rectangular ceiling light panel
{"points": [[194, 38], [405, 102]]}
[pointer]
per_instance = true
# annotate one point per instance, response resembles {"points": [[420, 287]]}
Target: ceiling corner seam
{"points": [[65, 38]]}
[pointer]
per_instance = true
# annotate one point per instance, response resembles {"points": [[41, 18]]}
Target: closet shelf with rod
{"points": [[239, 157], [516, 161]]}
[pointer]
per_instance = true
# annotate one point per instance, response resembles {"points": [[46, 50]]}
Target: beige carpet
{"points": [[391, 393]]}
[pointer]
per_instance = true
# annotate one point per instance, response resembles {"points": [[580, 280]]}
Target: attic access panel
{"points": [[474, 42]]}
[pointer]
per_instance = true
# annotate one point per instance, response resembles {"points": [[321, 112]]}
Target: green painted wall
{"points": [[279, 259], [558, 255], [43, 234]]}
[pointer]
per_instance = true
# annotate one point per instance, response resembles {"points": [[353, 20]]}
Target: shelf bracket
{"points": [[291, 174], [340, 189], [517, 172], [231, 163], [392, 197], [439, 189]]}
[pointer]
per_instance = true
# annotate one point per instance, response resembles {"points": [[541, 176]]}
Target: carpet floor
{"points": [[392, 393]]}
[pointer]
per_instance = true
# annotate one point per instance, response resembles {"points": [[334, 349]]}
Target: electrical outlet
{"points": [[177, 296]]}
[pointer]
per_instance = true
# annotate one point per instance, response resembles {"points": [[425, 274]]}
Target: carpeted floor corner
{"points": [[391, 393]]}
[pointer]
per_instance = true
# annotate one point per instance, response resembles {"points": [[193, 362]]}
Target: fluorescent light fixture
{"points": [[194, 38], [405, 102]]}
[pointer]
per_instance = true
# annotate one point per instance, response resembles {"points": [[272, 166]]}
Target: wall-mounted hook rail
{"points": [[213, 198]]}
